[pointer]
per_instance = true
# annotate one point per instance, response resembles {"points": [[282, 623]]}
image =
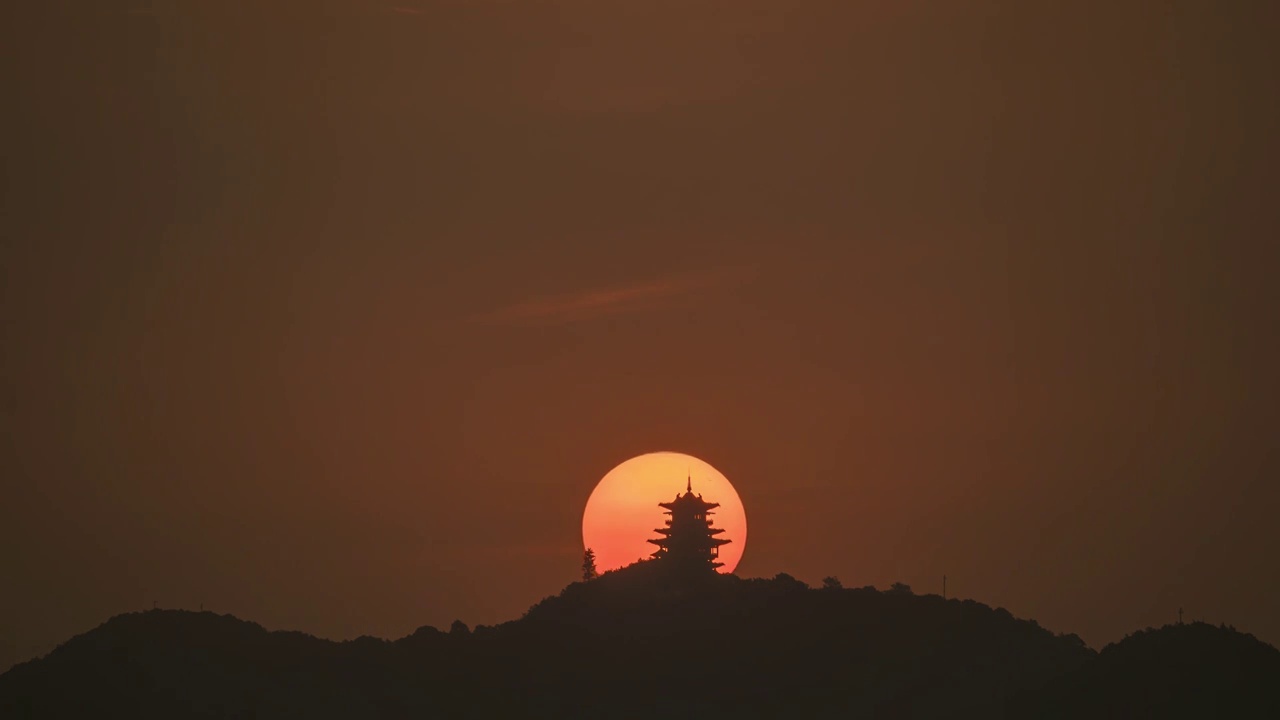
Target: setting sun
{"points": [[622, 513]]}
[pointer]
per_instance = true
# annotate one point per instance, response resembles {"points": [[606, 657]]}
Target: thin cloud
{"points": [[545, 550], [598, 302]]}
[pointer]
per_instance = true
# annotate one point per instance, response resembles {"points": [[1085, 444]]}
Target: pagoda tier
{"points": [[710, 542], [688, 538], [710, 531], [689, 500]]}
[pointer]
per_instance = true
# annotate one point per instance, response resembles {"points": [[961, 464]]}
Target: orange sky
{"points": [[331, 314]]}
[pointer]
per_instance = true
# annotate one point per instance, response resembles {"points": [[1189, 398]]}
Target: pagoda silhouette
{"points": [[688, 541]]}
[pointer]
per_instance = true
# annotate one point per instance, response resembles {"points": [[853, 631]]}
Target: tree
{"points": [[831, 582], [786, 581], [589, 565], [901, 588]]}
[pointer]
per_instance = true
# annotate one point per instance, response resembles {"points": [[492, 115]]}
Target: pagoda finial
{"points": [[689, 482]]}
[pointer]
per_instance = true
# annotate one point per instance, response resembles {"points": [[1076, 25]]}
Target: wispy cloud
{"points": [[405, 10], [544, 550], [559, 309]]}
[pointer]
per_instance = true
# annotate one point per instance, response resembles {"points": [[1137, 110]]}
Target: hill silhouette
{"points": [[1191, 670], [642, 642]]}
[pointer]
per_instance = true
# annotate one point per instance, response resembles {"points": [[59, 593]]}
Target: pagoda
{"points": [[688, 540]]}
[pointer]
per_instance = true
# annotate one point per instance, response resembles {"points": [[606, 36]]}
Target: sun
{"points": [[622, 512]]}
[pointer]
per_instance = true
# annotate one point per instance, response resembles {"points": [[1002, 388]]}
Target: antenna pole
{"points": [[944, 587]]}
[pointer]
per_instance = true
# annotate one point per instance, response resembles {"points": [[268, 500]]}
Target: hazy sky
{"points": [[330, 314]]}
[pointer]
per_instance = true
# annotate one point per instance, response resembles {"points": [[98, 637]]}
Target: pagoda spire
{"points": [[689, 482]]}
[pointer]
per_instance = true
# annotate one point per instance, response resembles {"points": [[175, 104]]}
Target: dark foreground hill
{"points": [[639, 644]]}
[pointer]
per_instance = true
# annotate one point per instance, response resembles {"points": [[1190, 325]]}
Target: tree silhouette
{"points": [[831, 582], [901, 588], [589, 565]]}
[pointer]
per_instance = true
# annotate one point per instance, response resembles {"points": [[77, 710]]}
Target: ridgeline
{"points": [[644, 643]]}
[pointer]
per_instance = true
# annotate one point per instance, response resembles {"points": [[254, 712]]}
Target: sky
{"points": [[331, 314]]}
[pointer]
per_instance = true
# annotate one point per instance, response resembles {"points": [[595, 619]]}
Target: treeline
{"points": [[643, 643]]}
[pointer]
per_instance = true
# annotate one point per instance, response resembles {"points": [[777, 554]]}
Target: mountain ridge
{"points": [[638, 642]]}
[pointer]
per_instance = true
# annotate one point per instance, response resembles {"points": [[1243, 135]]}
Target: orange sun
{"points": [[622, 512]]}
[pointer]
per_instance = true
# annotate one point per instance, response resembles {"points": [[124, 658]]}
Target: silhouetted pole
{"points": [[1179, 616], [944, 587]]}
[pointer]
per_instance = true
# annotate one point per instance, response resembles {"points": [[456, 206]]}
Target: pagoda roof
{"points": [[690, 500], [668, 531], [710, 542]]}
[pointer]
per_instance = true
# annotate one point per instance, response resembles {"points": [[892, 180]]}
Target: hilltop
{"points": [[640, 643], [1192, 670]]}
